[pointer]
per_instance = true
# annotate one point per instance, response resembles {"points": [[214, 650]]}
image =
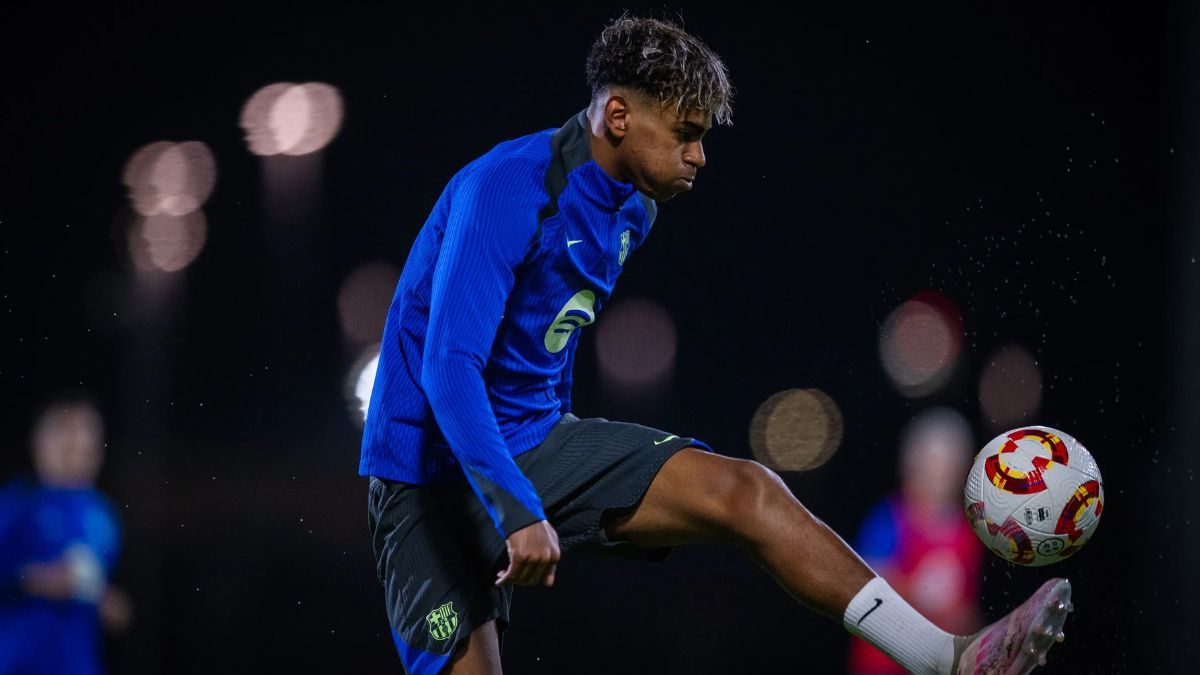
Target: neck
{"points": [[604, 145]]}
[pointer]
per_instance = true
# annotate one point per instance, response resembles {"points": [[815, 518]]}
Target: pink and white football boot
{"points": [[1017, 643]]}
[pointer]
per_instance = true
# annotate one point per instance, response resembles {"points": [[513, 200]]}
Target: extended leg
{"points": [[704, 497]]}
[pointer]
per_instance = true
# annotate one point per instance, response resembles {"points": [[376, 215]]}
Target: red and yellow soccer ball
{"points": [[1034, 495]]}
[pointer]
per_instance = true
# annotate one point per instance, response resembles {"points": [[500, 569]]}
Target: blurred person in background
{"points": [[58, 545], [918, 538]]}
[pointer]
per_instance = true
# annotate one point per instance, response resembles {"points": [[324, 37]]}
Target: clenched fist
{"points": [[532, 556]]}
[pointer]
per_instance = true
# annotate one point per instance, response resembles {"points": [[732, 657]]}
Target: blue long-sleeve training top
{"points": [[521, 251]]}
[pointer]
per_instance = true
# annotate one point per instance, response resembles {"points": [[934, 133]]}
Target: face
{"points": [[934, 464], [660, 150], [68, 446]]}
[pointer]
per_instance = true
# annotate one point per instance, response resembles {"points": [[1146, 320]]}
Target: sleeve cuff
{"points": [[507, 512]]}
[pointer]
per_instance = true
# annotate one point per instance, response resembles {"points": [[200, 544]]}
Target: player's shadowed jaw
{"points": [[657, 147]]}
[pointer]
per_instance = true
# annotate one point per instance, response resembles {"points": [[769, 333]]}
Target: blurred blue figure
{"points": [[58, 544]]}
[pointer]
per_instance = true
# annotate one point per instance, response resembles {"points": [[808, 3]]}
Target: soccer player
{"points": [[58, 543], [480, 474]]}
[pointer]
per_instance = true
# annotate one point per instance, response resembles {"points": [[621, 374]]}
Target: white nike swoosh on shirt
{"points": [[572, 242]]}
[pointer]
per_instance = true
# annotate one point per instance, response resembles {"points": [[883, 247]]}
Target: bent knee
{"points": [[743, 493]]}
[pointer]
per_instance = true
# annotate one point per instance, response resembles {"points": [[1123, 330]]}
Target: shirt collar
{"points": [[572, 148]]}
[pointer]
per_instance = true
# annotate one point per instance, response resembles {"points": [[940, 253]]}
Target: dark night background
{"points": [[876, 151]]}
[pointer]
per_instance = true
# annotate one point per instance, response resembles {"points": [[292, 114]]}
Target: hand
{"points": [[116, 611], [532, 556], [51, 580], [75, 575]]}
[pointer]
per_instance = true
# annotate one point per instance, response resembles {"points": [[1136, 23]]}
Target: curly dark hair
{"points": [[663, 61]]}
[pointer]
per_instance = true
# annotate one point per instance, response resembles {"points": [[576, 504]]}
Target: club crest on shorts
{"points": [[624, 248], [442, 621]]}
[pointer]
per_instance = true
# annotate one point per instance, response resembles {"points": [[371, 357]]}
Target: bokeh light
{"points": [[919, 343], [291, 119], [166, 178], [363, 301], [796, 430], [635, 344], [165, 243], [1010, 388], [360, 381]]}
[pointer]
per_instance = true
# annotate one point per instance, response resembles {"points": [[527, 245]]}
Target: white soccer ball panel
{"points": [[1019, 487], [1083, 462], [1040, 513]]}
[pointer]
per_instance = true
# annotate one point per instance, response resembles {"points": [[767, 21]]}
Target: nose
{"points": [[693, 154]]}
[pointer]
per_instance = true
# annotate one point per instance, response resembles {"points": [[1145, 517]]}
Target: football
{"points": [[1034, 495]]}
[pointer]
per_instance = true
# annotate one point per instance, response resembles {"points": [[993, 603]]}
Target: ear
{"points": [[616, 115]]}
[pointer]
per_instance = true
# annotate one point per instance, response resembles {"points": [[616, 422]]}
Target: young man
{"points": [[480, 474]]}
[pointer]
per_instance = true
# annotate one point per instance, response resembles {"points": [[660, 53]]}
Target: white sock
{"points": [[880, 616]]}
